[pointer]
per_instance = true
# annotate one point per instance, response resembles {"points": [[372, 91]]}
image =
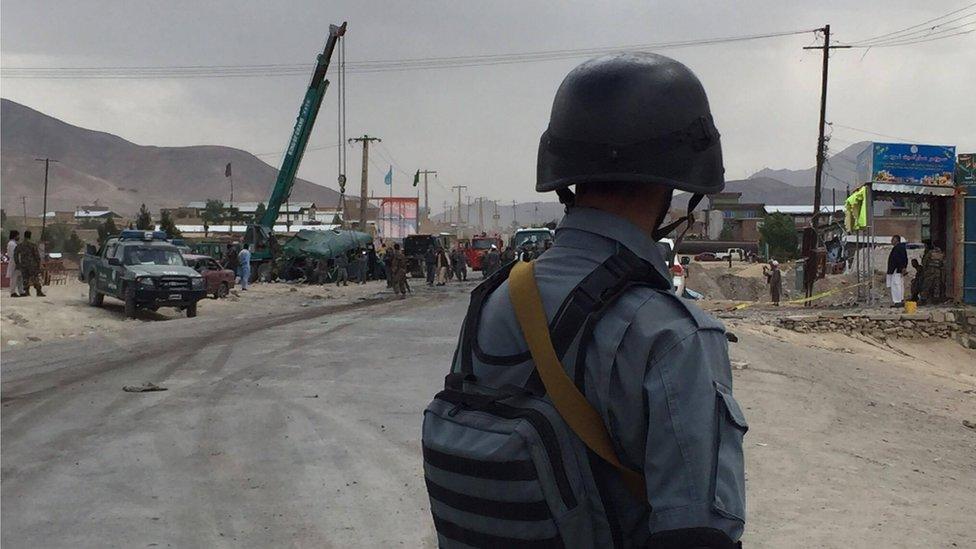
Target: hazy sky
{"points": [[480, 126]]}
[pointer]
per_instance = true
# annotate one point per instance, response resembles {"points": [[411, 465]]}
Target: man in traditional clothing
{"points": [[774, 277]]}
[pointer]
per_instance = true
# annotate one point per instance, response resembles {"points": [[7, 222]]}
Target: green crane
{"points": [[260, 235]]}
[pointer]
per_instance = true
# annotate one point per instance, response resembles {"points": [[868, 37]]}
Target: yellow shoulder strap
{"points": [[575, 410]]}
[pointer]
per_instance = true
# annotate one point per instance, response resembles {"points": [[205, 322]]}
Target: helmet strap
{"points": [[566, 197], [688, 220]]}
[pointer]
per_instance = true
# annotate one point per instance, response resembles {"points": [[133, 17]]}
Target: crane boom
{"points": [[303, 129]]}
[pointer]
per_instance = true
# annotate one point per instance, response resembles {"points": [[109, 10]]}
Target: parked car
{"points": [[219, 280], [737, 254], [144, 271], [706, 256]]}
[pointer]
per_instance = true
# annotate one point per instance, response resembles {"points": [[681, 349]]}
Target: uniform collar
{"points": [[618, 230]]}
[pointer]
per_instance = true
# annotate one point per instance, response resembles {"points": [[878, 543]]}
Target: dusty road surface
{"points": [[300, 429]]}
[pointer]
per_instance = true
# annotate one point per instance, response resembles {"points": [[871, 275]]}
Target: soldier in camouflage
{"points": [[28, 258]]}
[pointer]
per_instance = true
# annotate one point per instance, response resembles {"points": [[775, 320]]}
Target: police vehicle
{"points": [[143, 270]]}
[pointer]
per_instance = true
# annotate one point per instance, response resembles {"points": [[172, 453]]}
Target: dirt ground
{"points": [[745, 282], [64, 313], [852, 443]]}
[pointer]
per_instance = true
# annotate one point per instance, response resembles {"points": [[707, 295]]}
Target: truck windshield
{"points": [[532, 238], [146, 255], [482, 243]]}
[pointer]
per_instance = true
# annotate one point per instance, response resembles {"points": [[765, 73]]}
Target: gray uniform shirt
{"points": [[657, 370]]}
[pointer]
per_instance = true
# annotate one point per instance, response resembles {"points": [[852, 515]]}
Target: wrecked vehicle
{"points": [[219, 280]]}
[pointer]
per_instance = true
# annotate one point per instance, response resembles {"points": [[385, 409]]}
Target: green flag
{"points": [[416, 178]]}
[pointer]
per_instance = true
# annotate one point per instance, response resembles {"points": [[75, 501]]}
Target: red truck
{"points": [[219, 280], [478, 248]]}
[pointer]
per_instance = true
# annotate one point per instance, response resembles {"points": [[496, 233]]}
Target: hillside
{"points": [[119, 174], [840, 170]]}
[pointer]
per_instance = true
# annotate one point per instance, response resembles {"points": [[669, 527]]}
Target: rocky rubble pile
{"points": [[959, 324]]}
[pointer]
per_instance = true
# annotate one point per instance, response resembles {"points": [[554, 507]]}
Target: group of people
{"points": [[359, 259], [928, 286], [24, 265], [441, 265]]}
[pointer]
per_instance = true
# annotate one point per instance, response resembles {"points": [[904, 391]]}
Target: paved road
{"points": [[295, 430], [301, 430]]}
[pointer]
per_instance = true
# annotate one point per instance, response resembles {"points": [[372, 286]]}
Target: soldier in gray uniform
{"points": [[627, 130]]}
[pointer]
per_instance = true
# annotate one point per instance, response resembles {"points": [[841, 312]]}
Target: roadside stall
{"points": [[917, 183]]}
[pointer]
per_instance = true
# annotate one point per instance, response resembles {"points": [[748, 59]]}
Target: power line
{"points": [[869, 132], [910, 42], [361, 67], [923, 32], [318, 148], [915, 26]]}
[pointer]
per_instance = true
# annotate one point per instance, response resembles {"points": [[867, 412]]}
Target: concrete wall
{"points": [[910, 228]]}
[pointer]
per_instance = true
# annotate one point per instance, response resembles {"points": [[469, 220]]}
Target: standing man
{"points": [[490, 262], [342, 269], [387, 265], [655, 369], [430, 264], [28, 259], [897, 264], [443, 265], [774, 277], [13, 273], [460, 261], [244, 260], [932, 289], [398, 268], [231, 260], [363, 259], [508, 255]]}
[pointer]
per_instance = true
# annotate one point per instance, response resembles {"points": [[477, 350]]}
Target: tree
{"points": [[106, 230], [55, 236], [779, 232], [212, 213], [167, 225], [727, 233], [144, 222], [73, 244], [259, 212]]}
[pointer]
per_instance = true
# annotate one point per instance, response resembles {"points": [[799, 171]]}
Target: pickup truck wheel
{"points": [[95, 298], [130, 302], [222, 291], [191, 310]]}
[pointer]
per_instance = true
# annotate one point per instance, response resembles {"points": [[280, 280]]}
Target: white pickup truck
{"points": [[737, 254]]}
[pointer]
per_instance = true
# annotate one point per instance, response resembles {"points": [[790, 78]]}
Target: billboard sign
{"points": [[907, 164], [966, 169], [397, 216]]}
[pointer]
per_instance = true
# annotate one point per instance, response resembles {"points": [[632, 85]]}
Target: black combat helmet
{"points": [[631, 117]]}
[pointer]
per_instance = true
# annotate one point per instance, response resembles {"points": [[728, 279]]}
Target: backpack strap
{"points": [[578, 413], [463, 366]]}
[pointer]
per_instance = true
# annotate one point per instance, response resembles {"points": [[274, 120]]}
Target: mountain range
{"points": [[97, 167]]}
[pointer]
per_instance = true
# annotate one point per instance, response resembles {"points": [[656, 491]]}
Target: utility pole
{"points": [[425, 173], [467, 211], [821, 143], [24, 200], [481, 213], [363, 190], [459, 188], [495, 217], [47, 167], [515, 213]]}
